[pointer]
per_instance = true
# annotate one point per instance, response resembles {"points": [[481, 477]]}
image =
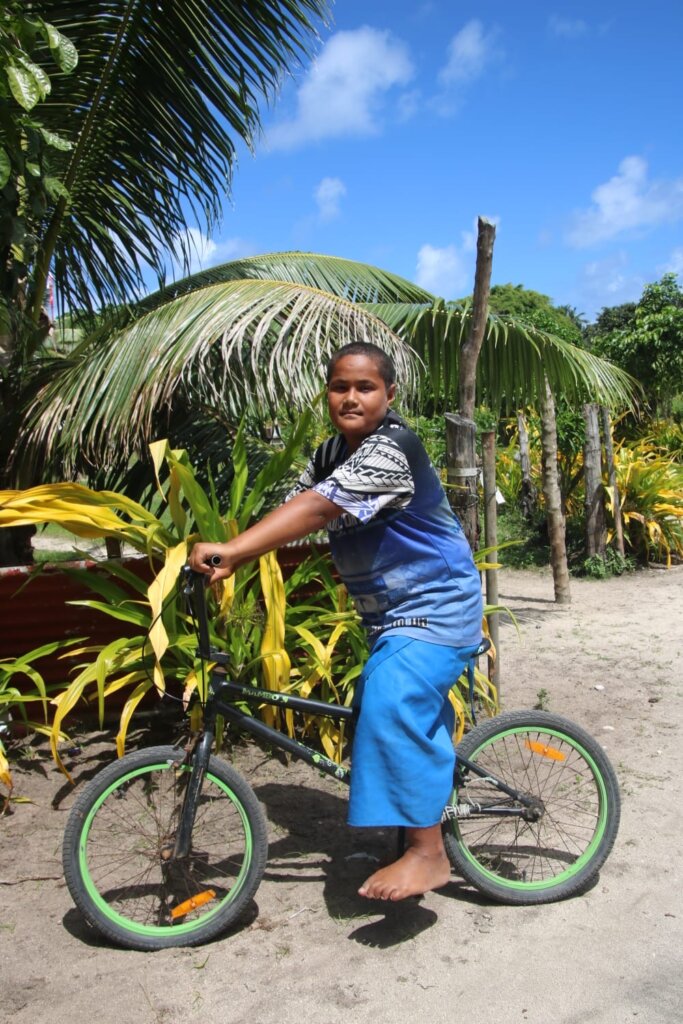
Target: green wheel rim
{"points": [[583, 859], [159, 930]]}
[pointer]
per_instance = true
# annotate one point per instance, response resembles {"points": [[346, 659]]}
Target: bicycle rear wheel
{"points": [[118, 846], [567, 773]]}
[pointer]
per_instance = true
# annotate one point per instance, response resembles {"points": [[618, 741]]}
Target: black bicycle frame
{"points": [[194, 586]]}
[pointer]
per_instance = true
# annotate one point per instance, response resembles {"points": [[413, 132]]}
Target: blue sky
{"points": [[560, 121]]}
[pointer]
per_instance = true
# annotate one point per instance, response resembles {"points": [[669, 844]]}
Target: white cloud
{"points": [[449, 271], [344, 91], [569, 28], [627, 201], [608, 282], [468, 54], [443, 271], [328, 196], [203, 252], [675, 263]]}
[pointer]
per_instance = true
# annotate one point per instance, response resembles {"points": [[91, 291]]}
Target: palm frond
{"points": [[222, 349], [161, 93], [515, 358], [349, 279]]}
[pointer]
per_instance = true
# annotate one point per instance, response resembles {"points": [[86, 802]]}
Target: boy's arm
{"points": [[306, 513]]}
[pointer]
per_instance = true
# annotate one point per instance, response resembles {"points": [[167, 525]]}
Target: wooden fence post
{"points": [[461, 474], [612, 478], [592, 475], [488, 461]]}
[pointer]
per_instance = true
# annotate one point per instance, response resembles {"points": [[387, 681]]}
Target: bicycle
{"points": [[167, 846]]}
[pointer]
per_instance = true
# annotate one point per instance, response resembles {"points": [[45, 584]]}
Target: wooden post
{"points": [[469, 352], [488, 461], [592, 475], [460, 429], [113, 546], [612, 477], [461, 474]]}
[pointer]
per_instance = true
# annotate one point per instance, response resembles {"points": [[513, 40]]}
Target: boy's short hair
{"points": [[383, 362]]}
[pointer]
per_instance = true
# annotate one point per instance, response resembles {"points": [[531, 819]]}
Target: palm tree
{"points": [[251, 336], [255, 333], [124, 151], [151, 116], [148, 121]]}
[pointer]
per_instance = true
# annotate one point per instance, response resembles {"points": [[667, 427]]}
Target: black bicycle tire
{"points": [[506, 865], [224, 792]]}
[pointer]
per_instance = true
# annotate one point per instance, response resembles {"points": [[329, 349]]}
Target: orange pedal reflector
{"points": [[545, 751], [194, 901]]}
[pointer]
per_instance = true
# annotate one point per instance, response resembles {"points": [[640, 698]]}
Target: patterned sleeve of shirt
{"points": [[377, 476], [304, 483]]}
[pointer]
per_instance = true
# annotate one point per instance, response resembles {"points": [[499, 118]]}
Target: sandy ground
{"points": [[312, 950]]}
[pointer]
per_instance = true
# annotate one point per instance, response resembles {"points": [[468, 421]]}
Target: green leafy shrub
{"points": [[315, 646], [613, 564], [651, 495]]}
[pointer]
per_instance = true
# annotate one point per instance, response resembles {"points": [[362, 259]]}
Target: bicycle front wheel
{"points": [[118, 851], [554, 849]]}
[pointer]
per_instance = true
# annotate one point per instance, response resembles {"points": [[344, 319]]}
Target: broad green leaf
{"points": [[274, 469], [106, 660], [55, 140], [41, 77], [55, 188], [241, 474], [99, 583], [5, 167], [63, 50], [34, 676], [174, 502], [23, 86], [206, 515], [41, 652], [129, 614]]}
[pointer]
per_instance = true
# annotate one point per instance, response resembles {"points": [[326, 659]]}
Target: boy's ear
{"points": [[391, 393]]}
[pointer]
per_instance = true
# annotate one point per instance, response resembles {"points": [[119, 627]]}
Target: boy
{"points": [[408, 567]]}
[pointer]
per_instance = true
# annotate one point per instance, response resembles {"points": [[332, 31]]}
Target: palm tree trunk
{"points": [[553, 499], [529, 495]]}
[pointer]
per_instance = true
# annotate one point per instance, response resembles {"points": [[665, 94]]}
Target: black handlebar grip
{"points": [[215, 561]]}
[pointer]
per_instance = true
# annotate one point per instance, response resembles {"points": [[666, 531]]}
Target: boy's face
{"points": [[357, 398]]}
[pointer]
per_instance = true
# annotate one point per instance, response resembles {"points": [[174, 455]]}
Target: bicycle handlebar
{"points": [[195, 588]]}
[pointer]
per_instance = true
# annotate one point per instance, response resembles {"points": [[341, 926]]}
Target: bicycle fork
{"points": [[199, 764]]}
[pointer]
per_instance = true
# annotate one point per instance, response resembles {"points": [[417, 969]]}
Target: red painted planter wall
{"points": [[34, 609]]}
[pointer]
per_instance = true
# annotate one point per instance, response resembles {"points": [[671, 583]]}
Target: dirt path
{"points": [[312, 950]]}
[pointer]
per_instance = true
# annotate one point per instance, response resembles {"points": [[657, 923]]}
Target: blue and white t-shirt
{"points": [[398, 547]]}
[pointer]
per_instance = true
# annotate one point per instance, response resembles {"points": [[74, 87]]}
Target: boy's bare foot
{"points": [[424, 866]]}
